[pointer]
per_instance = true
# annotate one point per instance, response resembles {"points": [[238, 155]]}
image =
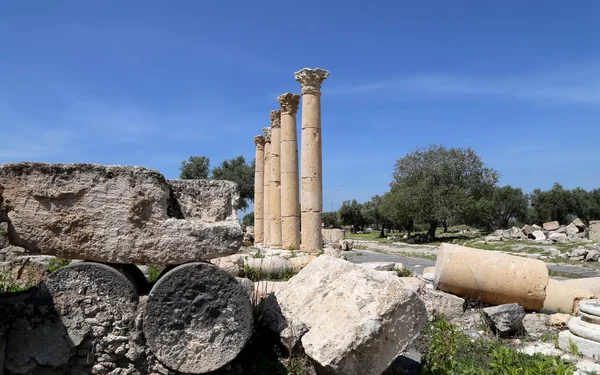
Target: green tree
{"points": [[195, 168], [350, 214], [331, 219], [371, 212], [240, 172], [554, 204], [585, 205], [396, 206], [510, 203], [443, 183], [248, 219]]}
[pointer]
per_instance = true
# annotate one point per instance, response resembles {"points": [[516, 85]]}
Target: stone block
{"points": [[539, 235], [505, 320], [579, 224], [550, 226], [587, 348], [594, 233], [572, 229]]}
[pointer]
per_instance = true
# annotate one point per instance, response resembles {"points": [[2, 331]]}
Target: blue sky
{"points": [[153, 82]]}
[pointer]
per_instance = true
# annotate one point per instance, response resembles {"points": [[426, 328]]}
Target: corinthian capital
{"points": [[275, 118], [289, 103], [259, 140], [267, 132], [311, 79]]}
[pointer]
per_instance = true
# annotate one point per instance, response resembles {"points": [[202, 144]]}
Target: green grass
{"points": [[58, 263], [8, 284], [255, 274], [564, 274], [153, 272], [418, 255], [403, 272]]}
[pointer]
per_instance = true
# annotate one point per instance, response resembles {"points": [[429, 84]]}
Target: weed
{"points": [[403, 272], [358, 254], [573, 349], [58, 263], [563, 274], [153, 272], [258, 255], [550, 337], [8, 284]]}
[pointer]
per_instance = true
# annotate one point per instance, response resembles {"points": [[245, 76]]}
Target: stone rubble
{"points": [[584, 332]]}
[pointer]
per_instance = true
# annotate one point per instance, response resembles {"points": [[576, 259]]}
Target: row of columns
{"points": [[278, 214]]}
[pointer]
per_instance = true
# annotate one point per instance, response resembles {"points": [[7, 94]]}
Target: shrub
{"points": [[403, 272], [58, 263]]}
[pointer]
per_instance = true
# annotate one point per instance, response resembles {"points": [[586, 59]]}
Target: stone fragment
{"points": [[440, 303], [587, 348], [528, 229], [269, 266], [557, 237], [584, 329], [429, 273], [592, 256], [550, 226], [516, 232], [234, 264], [4, 236], [552, 251], [591, 306], [572, 229], [350, 320], [594, 233], [379, 266], [579, 252], [559, 320], [207, 200], [505, 320], [492, 238], [298, 263], [114, 214], [332, 236], [347, 245], [538, 235], [579, 224], [491, 277], [535, 325], [198, 318], [562, 229]]}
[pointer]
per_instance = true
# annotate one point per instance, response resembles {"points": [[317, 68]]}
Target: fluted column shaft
{"points": [[259, 173], [290, 187], [267, 189], [275, 186], [312, 167]]}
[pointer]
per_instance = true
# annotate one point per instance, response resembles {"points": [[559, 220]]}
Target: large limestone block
{"points": [[595, 231], [564, 296], [579, 224], [350, 320], [572, 229], [207, 200], [115, 214], [552, 225], [491, 277], [538, 235]]}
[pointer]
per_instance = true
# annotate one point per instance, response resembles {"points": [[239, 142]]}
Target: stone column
{"points": [[259, 189], [267, 189], [290, 191], [275, 189], [312, 175]]}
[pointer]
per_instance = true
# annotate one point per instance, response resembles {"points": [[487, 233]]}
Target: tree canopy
{"points": [[195, 168]]}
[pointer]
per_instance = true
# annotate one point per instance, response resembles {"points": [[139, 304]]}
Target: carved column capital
{"points": [[289, 103], [259, 140], [311, 79], [275, 118], [267, 132]]}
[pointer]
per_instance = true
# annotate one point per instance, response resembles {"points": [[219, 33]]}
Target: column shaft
{"points": [[267, 190], [259, 169], [275, 186], [290, 190]]}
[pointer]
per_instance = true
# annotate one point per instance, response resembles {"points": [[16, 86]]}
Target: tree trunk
{"points": [[445, 224], [432, 227], [382, 234]]}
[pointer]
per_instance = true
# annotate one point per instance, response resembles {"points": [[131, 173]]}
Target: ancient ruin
{"points": [[584, 331], [267, 189], [312, 158], [259, 174], [290, 189], [275, 178]]}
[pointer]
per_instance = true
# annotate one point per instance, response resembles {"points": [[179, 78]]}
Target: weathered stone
{"points": [[491, 277], [571, 229], [552, 225], [440, 303], [346, 245], [557, 237], [234, 264], [579, 252], [538, 235], [300, 262], [516, 232], [4, 236], [350, 320], [594, 233], [492, 238], [379, 266], [579, 224], [197, 318], [116, 214], [536, 325], [429, 273], [591, 306], [564, 296], [584, 329], [10, 253], [528, 229], [559, 320], [332, 236], [206, 200], [592, 256], [552, 251], [269, 266], [562, 229], [275, 178], [587, 348], [505, 320], [259, 175]]}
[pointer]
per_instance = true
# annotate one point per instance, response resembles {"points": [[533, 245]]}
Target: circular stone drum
{"points": [[197, 319]]}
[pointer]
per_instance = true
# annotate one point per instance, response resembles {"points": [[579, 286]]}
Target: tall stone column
{"points": [[290, 191], [259, 174], [275, 189], [312, 167], [267, 189]]}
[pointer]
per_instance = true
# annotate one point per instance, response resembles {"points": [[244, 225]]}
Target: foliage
{"points": [[255, 275], [443, 184], [248, 219], [58, 263], [397, 208], [373, 214], [251, 273], [448, 351], [153, 272], [195, 168], [509, 203], [331, 219], [351, 214], [403, 272], [240, 172], [550, 205], [8, 284]]}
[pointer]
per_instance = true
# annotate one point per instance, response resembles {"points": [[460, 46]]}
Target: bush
{"points": [[57, 263], [448, 351]]}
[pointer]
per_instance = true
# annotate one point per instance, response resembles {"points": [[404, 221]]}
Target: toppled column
{"points": [[118, 214], [259, 174], [564, 296], [312, 167], [267, 189], [491, 277], [584, 331], [290, 191], [275, 180]]}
